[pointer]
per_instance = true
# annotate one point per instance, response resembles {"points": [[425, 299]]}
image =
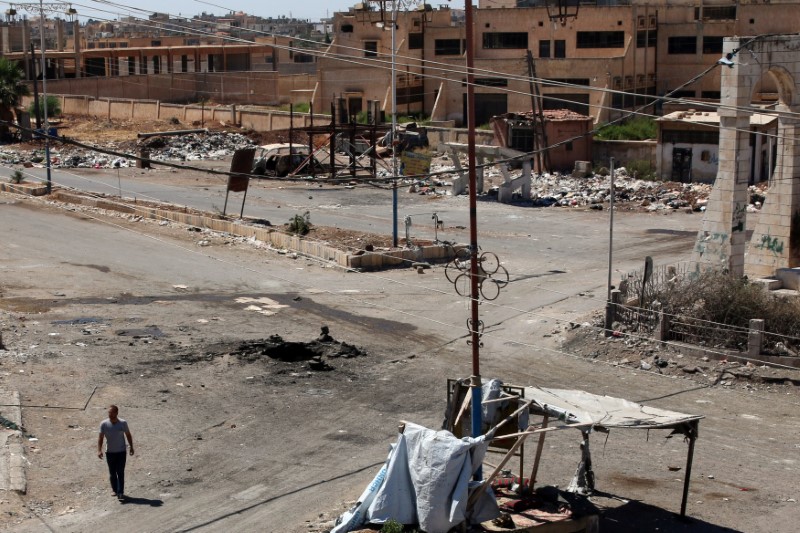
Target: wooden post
{"points": [[692, 436], [538, 456]]}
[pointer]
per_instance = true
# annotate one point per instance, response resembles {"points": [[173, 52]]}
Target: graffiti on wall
{"points": [[739, 216], [773, 244]]}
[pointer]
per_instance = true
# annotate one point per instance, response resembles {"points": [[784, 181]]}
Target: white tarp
{"points": [[575, 406], [426, 481]]}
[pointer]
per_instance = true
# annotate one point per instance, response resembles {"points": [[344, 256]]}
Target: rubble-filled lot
{"points": [[548, 190]]}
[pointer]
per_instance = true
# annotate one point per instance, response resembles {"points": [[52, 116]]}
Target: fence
{"points": [[723, 341]]}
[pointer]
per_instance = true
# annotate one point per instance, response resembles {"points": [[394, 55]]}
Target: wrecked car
{"points": [[282, 159]]}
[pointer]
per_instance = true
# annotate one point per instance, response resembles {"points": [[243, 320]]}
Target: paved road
{"points": [[239, 447], [531, 242]]}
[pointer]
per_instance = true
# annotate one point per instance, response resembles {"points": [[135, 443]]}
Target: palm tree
{"points": [[12, 89]]}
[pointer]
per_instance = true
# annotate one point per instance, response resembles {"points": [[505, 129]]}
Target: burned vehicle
{"points": [[283, 159]]}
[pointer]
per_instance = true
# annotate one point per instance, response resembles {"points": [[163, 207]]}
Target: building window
{"points": [[711, 95], [347, 28], [560, 49], [557, 82], [690, 137], [415, 41], [646, 39], [509, 40], [370, 48], [712, 45], [682, 45], [601, 39], [544, 48], [683, 94], [155, 43], [716, 13], [123, 45], [492, 82], [300, 57], [449, 47]]}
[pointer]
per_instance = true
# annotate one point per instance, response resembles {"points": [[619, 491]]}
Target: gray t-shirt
{"points": [[115, 435]]}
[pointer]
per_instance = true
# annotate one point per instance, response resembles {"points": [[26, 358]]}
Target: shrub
{"points": [[637, 129], [641, 169], [717, 297], [53, 106], [16, 177], [392, 526], [300, 224]]}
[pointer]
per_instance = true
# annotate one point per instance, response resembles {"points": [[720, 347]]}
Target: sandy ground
{"points": [[97, 311]]}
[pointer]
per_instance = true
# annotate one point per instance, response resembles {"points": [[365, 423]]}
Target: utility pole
{"points": [[394, 127], [474, 322], [51, 7]]}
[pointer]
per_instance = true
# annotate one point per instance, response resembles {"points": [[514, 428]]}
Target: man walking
{"points": [[114, 430]]}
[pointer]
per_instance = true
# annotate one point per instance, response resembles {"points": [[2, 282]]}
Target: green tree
{"points": [[12, 85], [12, 89], [53, 106]]}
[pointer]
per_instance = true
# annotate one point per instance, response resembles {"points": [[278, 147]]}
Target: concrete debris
{"points": [[189, 147]]}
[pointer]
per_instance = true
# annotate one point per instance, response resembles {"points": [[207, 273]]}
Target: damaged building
{"points": [[564, 132]]}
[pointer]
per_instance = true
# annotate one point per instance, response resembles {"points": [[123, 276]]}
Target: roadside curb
{"points": [[360, 260], [12, 458], [28, 189]]}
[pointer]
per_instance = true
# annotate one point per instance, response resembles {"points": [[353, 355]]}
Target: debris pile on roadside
{"points": [[195, 146], [563, 190], [188, 147]]}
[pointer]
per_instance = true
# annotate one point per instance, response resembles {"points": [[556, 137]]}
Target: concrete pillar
{"points": [[76, 32], [611, 311], [26, 48], [662, 331], [60, 35], [779, 220], [757, 168], [721, 241], [6, 40], [755, 337]]}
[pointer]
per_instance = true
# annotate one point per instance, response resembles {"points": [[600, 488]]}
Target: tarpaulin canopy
{"points": [[425, 481], [580, 407]]}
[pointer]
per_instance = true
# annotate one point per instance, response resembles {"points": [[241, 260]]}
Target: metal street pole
{"points": [[394, 128], [473, 234], [44, 97], [610, 231]]}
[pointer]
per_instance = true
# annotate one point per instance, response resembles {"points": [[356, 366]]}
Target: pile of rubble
{"points": [[195, 146], [595, 190], [188, 147]]}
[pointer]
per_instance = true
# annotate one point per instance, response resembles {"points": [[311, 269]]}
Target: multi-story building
{"points": [[605, 60]]}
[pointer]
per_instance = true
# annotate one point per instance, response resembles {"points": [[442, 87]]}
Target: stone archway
{"points": [[722, 241]]}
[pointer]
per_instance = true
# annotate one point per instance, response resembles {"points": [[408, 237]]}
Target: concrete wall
{"points": [[437, 136], [265, 88], [623, 152], [255, 118]]}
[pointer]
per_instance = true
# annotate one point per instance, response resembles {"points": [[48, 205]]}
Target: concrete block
{"points": [[789, 277], [771, 284]]}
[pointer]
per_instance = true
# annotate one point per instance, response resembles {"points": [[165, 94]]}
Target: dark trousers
{"points": [[116, 471]]}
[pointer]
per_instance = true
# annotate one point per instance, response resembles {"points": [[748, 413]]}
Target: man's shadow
{"points": [[142, 501]]}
